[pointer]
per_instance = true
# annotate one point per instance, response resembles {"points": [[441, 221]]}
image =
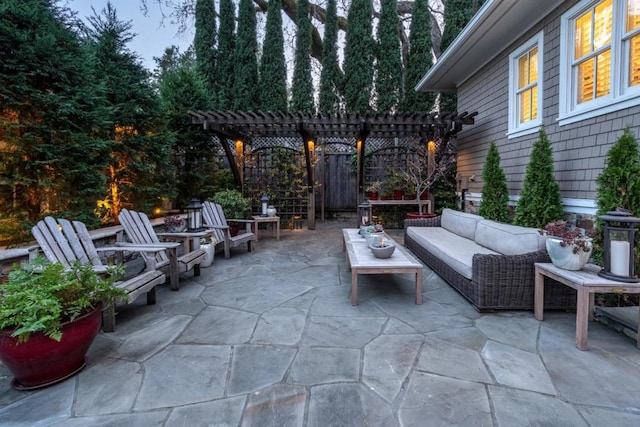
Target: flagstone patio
{"points": [[270, 338]]}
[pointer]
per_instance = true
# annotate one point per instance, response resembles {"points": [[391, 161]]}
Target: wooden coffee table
{"points": [[360, 260]]}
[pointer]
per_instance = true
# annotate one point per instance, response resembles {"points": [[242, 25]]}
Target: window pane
{"points": [[583, 35], [525, 106], [523, 73], [585, 81], [603, 79], [533, 65], [633, 14], [602, 24], [534, 102], [634, 63]]}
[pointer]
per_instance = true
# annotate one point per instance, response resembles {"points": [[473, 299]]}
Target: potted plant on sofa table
{"points": [[49, 316], [567, 247]]}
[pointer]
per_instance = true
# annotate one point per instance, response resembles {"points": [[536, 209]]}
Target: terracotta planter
{"points": [[418, 215], [41, 361], [398, 194], [373, 195], [234, 228]]}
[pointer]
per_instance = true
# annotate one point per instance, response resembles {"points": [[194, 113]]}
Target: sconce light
{"points": [[311, 146], [619, 242], [264, 202], [194, 216], [239, 146]]}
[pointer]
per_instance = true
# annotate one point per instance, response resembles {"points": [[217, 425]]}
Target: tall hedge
{"points": [[302, 86], [419, 60], [204, 42], [273, 71], [495, 195], [330, 78], [358, 57], [389, 64], [226, 48], [245, 87], [540, 201]]}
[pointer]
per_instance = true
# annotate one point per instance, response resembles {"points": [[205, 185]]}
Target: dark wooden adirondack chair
{"points": [[66, 242]]}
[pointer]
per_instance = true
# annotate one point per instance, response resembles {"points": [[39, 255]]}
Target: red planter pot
{"points": [[41, 361], [373, 195], [398, 194]]}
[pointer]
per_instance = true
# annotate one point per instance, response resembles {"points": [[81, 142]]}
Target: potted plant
{"points": [[234, 205], [374, 189], [49, 316], [174, 223], [419, 176], [568, 248]]}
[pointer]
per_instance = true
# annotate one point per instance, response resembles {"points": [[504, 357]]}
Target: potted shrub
{"points": [[49, 316], [175, 223], [568, 248], [374, 189], [234, 205]]}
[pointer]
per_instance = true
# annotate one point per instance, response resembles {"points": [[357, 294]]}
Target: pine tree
{"points": [[389, 75], [205, 42], [273, 71], [419, 60], [245, 88], [330, 78], [358, 58], [226, 47], [302, 87], [540, 201], [495, 195]]}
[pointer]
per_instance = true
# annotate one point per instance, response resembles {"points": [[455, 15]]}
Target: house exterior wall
{"points": [[579, 148]]}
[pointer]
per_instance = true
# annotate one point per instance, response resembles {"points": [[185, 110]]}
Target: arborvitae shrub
{"points": [[495, 195]]}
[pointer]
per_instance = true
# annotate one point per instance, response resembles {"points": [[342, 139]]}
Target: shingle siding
{"points": [[579, 148]]}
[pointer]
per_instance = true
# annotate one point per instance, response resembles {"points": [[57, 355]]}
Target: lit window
{"points": [[600, 59], [525, 107]]}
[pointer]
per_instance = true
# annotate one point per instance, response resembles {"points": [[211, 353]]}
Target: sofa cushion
{"points": [[508, 239], [461, 223], [456, 251]]}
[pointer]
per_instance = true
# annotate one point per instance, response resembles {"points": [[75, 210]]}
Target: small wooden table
{"points": [[587, 283], [360, 260], [268, 219]]}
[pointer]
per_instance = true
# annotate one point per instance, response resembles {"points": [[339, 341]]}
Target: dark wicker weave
{"points": [[500, 282]]}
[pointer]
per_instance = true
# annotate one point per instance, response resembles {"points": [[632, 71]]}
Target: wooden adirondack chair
{"points": [[214, 218], [139, 229], [65, 242]]}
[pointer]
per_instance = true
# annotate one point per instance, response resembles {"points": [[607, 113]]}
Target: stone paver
{"points": [[270, 338]]}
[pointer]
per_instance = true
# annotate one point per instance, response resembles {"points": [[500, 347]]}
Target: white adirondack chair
{"points": [[214, 219], [139, 229], [66, 242]]}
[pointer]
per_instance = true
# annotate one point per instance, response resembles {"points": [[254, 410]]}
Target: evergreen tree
{"points": [[245, 87], [139, 152], [302, 87], [358, 57], [273, 71], [495, 195], [330, 78], [204, 42], [419, 60], [226, 47], [50, 109], [389, 75], [540, 201], [619, 183]]}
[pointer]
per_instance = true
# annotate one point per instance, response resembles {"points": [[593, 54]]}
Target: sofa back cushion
{"points": [[461, 223], [508, 239]]}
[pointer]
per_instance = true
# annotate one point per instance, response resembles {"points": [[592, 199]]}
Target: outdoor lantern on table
{"points": [[264, 202], [364, 214], [619, 241], [194, 216]]}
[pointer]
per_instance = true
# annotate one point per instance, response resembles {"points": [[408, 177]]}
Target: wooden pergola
{"points": [[241, 127]]}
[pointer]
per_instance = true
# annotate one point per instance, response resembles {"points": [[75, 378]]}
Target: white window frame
{"points": [[516, 128], [621, 95]]}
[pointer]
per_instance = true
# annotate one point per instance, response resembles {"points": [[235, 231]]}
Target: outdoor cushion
{"points": [[508, 239], [456, 251], [461, 223]]}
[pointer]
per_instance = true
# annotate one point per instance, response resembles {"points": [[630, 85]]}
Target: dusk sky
{"points": [[153, 35]]}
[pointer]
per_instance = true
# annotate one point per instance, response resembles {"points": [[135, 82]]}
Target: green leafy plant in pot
{"points": [[49, 316], [234, 205]]}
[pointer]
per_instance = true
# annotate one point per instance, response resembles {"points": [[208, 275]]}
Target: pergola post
{"points": [[233, 164], [360, 149], [308, 143]]}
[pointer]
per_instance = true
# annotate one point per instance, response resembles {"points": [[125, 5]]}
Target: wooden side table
{"points": [[587, 283], [273, 220]]}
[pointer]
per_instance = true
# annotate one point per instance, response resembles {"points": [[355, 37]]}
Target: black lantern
{"points": [[264, 202], [194, 216], [364, 214], [619, 241]]}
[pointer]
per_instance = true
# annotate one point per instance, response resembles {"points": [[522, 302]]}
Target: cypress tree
{"points": [[389, 75], [273, 71], [302, 88], [204, 42], [540, 201], [419, 60], [495, 195], [330, 78], [245, 88], [358, 57], [226, 47]]}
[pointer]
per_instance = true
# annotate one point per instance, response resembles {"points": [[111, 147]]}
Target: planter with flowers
{"points": [[175, 224], [373, 190], [568, 248]]}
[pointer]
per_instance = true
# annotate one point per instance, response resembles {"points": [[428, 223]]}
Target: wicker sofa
{"points": [[489, 263]]}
